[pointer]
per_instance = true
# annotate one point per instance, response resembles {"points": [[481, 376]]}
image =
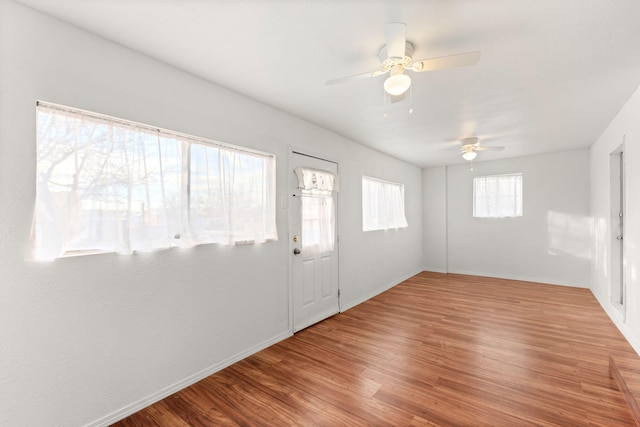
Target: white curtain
{"points": [[497, 196], [107, 185], [315, 179], [318, 221], [232, 196], [382, 205], [318, 214]]}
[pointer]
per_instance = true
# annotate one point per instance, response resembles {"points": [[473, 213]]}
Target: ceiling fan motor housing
{"points": [[387, 63]]}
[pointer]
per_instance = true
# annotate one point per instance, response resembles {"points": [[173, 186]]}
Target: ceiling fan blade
{"points": [[356, 77], [486, 148], [451, 61], [395, 37]]}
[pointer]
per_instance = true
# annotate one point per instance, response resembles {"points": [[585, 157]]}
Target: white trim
{"points": [[435, 270], [384, 181], [543, 280], [615, 317], [310, 153], [186, 382], [618, 255], [446, 219]]}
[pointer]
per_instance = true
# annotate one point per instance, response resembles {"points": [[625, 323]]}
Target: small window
{"points": [[382, 205], [497, 196], [110, 185]]}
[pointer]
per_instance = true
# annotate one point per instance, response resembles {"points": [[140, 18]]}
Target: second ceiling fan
{"points": [[396, 58], [469, 148]]}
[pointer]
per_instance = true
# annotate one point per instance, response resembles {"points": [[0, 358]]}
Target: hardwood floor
{"points": [[436, 350]]}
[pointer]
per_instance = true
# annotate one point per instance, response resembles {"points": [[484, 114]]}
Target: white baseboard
{"points": [[544, 280], [435, 270], [616, 318], [186, 382], [352, 304]]}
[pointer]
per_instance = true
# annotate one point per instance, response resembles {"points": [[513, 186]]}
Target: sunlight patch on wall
{"points": [[569, 234], [601, 250]]}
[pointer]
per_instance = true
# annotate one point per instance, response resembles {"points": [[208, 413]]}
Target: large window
{"points": [[109, 185], [382, 205], [497, 196]]}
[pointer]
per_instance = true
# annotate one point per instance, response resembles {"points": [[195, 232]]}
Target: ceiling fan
{"points": [[396, 58], [470, 147]]}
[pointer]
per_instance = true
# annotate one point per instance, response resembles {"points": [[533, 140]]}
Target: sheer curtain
{"points": [[232, 196], [318, 222], [108, 185], [382, 205], [318, 212], [497, 196]]}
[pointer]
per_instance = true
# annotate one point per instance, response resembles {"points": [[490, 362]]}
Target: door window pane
{"points": [[318, 221]]}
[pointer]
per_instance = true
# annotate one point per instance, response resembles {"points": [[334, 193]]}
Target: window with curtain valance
{"points": [[318, 211], [110, 185], [382, 205]]}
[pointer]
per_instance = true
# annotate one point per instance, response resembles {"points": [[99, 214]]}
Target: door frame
{"points": [[285, 203], [617, 257]]}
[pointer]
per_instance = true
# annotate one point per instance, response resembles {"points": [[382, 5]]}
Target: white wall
{"points": [[550, 243], [86, 340], [626, 125], [376, 260], [434, 215]]}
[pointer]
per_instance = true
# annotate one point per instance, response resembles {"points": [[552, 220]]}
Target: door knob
{"points": [[296, 251]]}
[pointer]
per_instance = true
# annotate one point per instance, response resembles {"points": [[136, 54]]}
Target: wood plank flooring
{"points": [[625, 370], [435, 350]]}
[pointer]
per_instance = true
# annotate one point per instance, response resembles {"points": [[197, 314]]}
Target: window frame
{"points": [[517, 195], [185, 151], [385, 219]]}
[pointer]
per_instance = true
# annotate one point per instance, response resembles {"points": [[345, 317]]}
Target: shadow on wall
{"points": [[569, 235]]}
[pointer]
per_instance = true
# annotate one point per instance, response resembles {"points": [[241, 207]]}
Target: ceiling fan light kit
{"points": [[471, 146], [396, 56], [397, 83], [469, 155]]}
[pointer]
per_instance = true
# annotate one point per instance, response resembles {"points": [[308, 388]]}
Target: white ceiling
{"points": [[552, 75]]}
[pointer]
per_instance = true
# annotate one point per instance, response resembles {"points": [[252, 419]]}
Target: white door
{"points": [[313, 245]]}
